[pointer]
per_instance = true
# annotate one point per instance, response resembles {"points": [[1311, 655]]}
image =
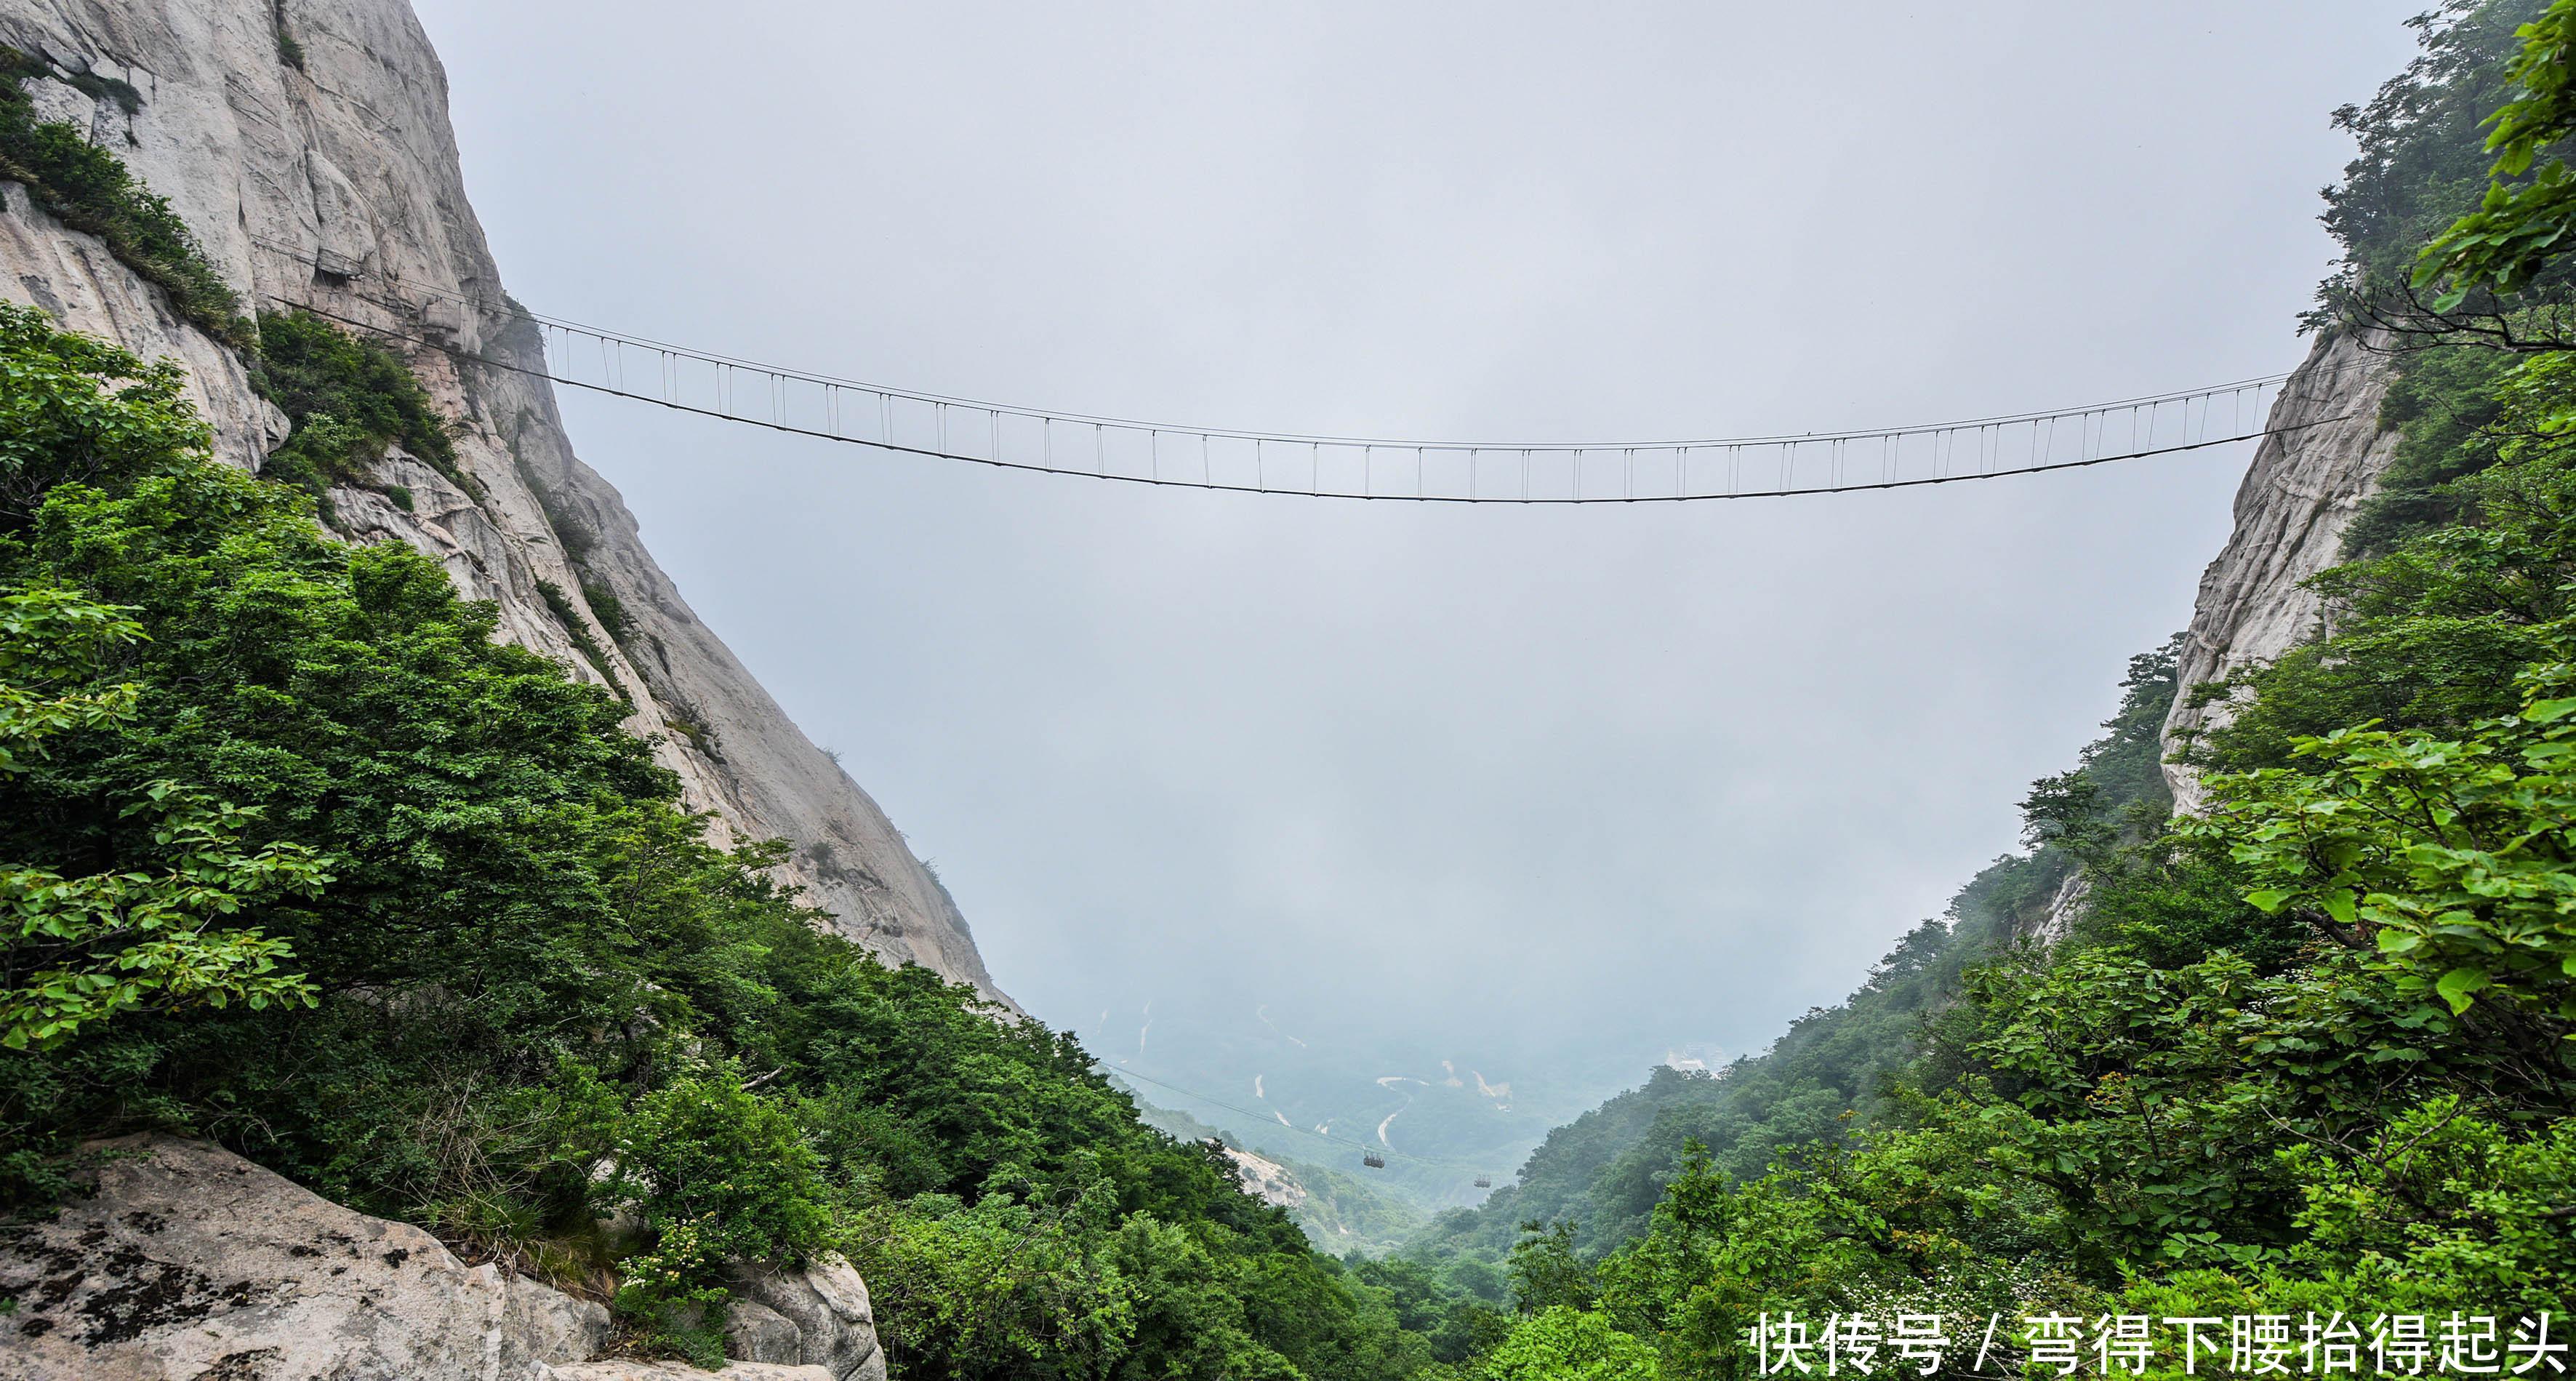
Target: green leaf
{"points": [[2550, 711], [2457, 985]]}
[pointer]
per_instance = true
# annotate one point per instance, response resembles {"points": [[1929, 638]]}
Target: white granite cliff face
{"points": [[335, 184], [2298, 497]]}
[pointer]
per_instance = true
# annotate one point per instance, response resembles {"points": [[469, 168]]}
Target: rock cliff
{"points": [[307, 145], [2306, 482], [183, 1262]]}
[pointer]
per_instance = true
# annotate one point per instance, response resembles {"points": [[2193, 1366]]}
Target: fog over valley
{"points": [[1543, 793], [1321, 692]]}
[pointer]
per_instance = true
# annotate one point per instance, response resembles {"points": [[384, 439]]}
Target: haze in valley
{"points": [[1342, 791]]}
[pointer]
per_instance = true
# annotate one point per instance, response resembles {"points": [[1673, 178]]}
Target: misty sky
{"points": [[1573, 783]]}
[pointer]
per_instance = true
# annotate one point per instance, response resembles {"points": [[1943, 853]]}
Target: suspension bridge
{"points": [[910, 422]]}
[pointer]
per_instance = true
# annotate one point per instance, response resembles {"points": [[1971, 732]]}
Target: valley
{"points": [[434, 952]]}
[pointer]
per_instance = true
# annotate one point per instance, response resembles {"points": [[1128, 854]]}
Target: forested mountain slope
{"points": [[305, 149], [2304, 1048], [1341, 1213], [1605, 1171]]}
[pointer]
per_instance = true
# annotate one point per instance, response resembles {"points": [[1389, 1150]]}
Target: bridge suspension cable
{"points": [[912, 422]]}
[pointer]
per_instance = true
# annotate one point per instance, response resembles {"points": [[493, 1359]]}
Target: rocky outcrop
{"points": [[2065, 908], [188, 1263], [624, 1369], [814, 1316], [2306, 482], [331, 181], [1266, 1179], [181, 1261]]}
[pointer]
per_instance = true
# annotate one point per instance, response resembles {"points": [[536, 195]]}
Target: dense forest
{"points": [[296, 857]]}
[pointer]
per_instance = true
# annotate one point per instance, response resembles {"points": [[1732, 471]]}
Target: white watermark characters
{"points": [[2241, 1345]]}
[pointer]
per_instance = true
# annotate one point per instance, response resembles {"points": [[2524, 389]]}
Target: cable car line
{"points": [[1366, 1150]]}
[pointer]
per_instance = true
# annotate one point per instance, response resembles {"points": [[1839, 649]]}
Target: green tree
{"points": [[1547, 1271], [2530, 204], [146, 932], [2456, 858], [1563, 1343], [720, 1175]]}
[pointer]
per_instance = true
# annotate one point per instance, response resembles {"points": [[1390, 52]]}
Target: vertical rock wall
{"points": [[331, 180], [2298, 497]]}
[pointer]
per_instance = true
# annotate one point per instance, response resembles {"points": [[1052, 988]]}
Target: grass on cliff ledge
{"points": [[90, 189], [348, 398]]}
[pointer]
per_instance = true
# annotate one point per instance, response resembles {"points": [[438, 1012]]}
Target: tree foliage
{"points": [[2452, 856], [2522, 222], [2420, 162], [347, 398], [80, 950]]}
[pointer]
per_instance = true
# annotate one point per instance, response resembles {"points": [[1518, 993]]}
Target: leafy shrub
{"points": [[74, 410], [1567, 1344], [705, 1148], [348, 398], [576, 628], [720, 1175], [80, 950], [979, 1289], [605, 604], [2455, 857]]}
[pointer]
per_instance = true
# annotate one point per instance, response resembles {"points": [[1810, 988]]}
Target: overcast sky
{"points": [[1577, 780]]}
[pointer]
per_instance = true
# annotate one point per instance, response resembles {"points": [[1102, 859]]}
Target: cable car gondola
{"points": [[1484, 1181], [1372, 1160]]}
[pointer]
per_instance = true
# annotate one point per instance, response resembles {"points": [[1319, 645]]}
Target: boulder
{"points": [[824, 1302], [623, 1369], [754, 1332], [185, 1262]]}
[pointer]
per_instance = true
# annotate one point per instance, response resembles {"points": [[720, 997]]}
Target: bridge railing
{"points": [[1448, 471]]}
